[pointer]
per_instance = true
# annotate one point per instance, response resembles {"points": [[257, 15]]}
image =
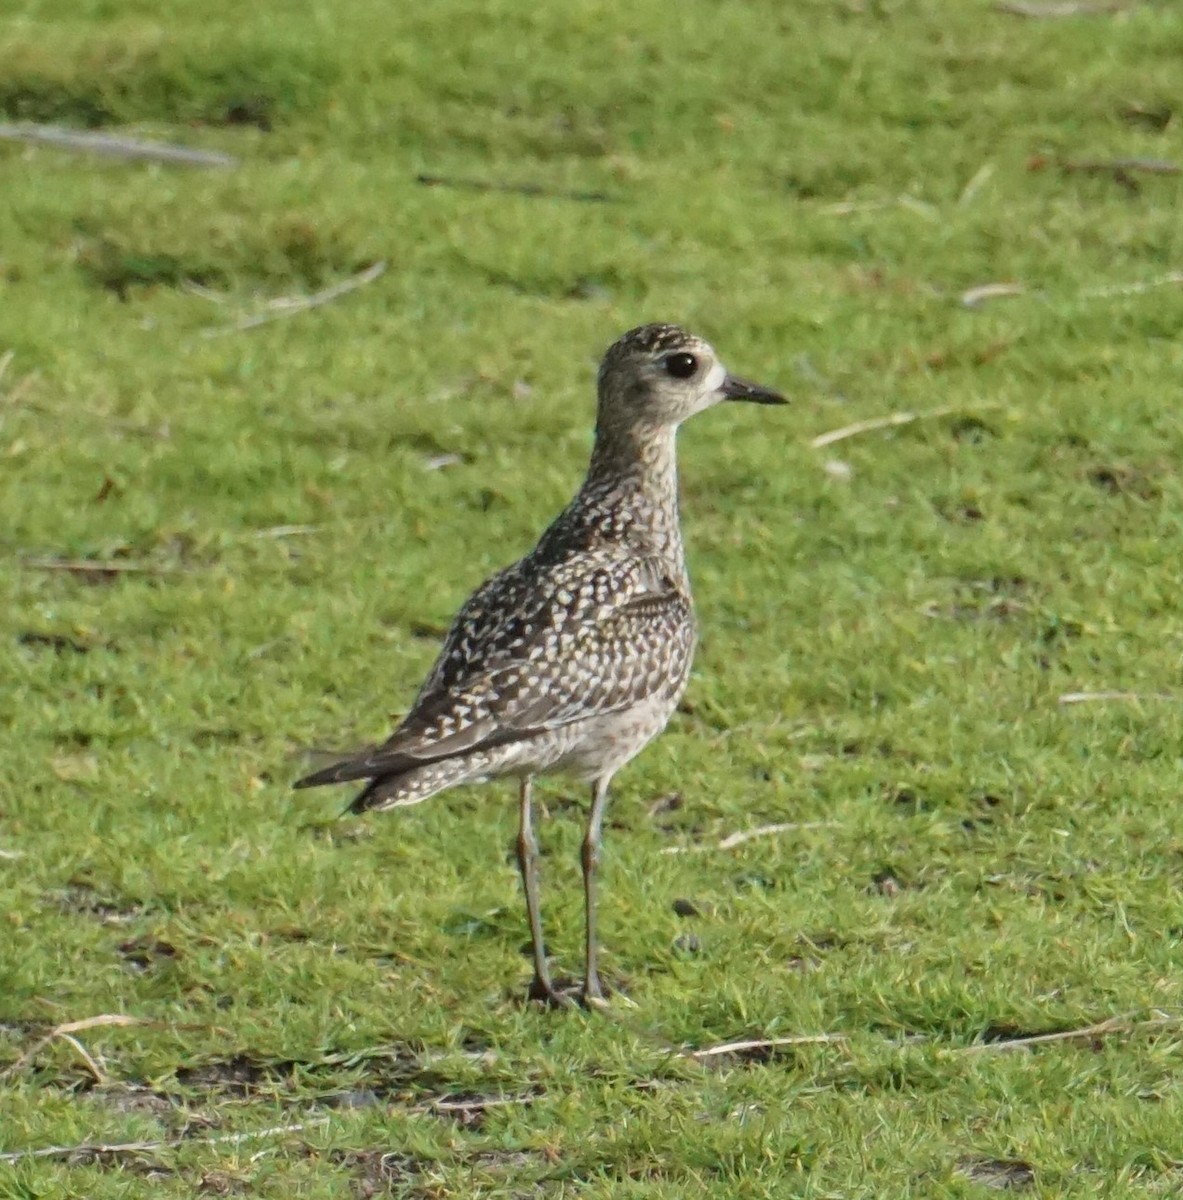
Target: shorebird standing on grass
{"points": [[573, 659]]}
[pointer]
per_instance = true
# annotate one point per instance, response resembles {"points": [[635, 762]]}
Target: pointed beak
{"points": [[734, 388]]}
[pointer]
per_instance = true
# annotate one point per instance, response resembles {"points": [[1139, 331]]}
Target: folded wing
{"points": [[521, 661]]}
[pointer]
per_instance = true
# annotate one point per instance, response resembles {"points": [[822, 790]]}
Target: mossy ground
{"points": [[889, 622]]}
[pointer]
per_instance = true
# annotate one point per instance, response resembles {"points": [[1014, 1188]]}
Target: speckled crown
{"points": [[647, 339], [651, 339]]}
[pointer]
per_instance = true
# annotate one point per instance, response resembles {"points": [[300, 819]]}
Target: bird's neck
{"points": [[632, 481]]}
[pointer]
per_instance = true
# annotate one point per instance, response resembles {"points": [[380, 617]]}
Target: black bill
{"points": [[734, 388]]}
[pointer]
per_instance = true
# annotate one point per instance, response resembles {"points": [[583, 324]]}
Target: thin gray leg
{"points": [[590, 856], [527, 846]]}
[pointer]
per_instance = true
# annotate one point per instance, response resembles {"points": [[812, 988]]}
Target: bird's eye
{"points": [[681, 366]]}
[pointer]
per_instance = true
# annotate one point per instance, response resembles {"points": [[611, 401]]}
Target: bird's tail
{"points": [[419, 783]]}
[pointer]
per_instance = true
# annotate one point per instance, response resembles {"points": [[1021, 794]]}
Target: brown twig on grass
{"points": [[516, 189], [1101, 697], [289, 306], [746, 835], [742, 1047], [114, 146], [1100, 1029], [888, 422]]}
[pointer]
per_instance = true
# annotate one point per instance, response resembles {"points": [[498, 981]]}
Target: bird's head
{"points": [[661, 375]]}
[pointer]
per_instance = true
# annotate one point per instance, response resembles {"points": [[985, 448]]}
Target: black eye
{"points": [[681, 366]]}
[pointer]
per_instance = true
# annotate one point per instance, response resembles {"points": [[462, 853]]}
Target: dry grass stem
{"points": [[100, 1076], [809, 1039], [1120, 166], [19, 388], [1104, 697], [515, 189], [975, 183], [113, 146], [1100, 1029], [289, 306], [97, 566], [846, 208], [746, 835], [1135, 289], [286, 531], [88, 1150], [17, 391], [1062, 8], [65, 1031], [974, 296], [476, 1105], [206, 293], [874, 423]]}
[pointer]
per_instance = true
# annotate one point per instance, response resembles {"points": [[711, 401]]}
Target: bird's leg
{"points": [[527, 846], [593, 993]]}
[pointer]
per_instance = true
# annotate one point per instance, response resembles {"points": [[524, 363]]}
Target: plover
{"points": [[574, 658]]}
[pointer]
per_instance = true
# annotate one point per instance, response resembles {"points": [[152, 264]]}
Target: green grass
{"points": [[812, 186]]}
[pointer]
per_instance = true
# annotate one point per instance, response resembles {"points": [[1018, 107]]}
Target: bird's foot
{"points": [[600, 997], [594, 1001], [592, 995], [593, 991], [542, 991]]}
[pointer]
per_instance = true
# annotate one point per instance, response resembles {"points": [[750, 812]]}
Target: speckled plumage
{"points": [[572, 659]]}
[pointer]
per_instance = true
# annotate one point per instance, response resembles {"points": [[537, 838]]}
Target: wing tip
{"points": [[360, 803], [339, 772], [342, 770]]}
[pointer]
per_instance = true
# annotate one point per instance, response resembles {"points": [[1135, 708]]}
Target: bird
{"points": [[571, 660]]}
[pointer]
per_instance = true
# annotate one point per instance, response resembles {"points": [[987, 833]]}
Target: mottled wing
{"points": [[597, 638], [494, 625]]}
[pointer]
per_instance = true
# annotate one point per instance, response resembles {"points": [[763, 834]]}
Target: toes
{"points": [[593, 992], [542, 991], [601, 997], [569, 993]]}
